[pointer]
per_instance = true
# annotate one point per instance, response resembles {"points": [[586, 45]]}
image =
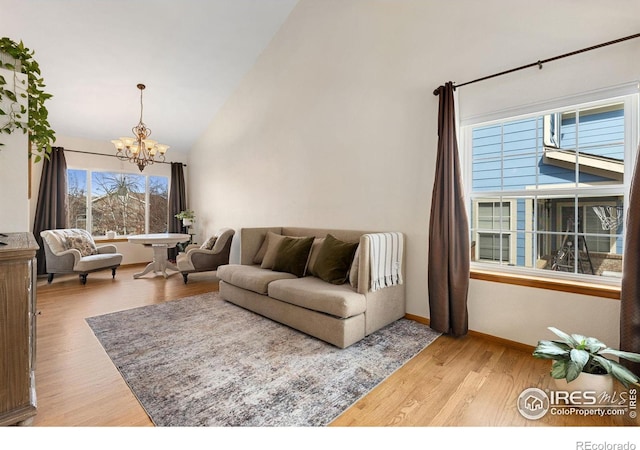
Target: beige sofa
{"points": [[340, 314]]}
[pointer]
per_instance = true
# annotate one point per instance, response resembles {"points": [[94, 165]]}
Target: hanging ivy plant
{"points": [[41, 136]]}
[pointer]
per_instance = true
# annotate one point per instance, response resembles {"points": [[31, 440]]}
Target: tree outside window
{"points": [[121, 202]]}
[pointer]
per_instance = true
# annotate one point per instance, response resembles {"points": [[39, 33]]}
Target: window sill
{"points": [[104, 240], [597, 290]]}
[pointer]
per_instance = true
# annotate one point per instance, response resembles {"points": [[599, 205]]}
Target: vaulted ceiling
{"points": [[190, 54]]}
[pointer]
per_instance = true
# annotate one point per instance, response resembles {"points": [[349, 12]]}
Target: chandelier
{"points": [[140, 150]]}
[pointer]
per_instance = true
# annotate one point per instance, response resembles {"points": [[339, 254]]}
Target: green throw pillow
{"points": [[334, 260], [292, 255]]}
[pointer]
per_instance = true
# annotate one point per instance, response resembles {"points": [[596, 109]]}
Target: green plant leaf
{"points": [[624, 375], [580, 358], [564, 336], [621, 354], [573, 370], [559, 369], [39, 129], [602, 362], [551, 350]]}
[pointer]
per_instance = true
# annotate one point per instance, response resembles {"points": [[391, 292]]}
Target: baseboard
{"points": [[498, 340]]}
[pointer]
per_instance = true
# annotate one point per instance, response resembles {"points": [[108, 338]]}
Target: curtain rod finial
{"points": [[436, 91]]}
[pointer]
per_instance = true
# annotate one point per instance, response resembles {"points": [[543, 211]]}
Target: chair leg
{"points": [[113, 273], [184, 277], [83, 278], [50, 278]]}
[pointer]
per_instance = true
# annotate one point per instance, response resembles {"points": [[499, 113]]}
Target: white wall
{"points": [[132, 253], [14, 171], [336, 126]]}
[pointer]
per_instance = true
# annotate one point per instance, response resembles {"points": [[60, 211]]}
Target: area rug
{"points": [[201, 361]]}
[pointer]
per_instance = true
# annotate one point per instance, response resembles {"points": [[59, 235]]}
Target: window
{"points": [[492, 245], [121, 202], [547, 191]]}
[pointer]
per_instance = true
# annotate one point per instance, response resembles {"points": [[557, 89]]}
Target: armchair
{"points": [[215, 252], [73, 250]]}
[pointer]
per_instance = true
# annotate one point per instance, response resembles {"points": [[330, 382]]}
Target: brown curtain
{"points": [[630, 293], [177, 203], [448, 272], [52, 207]]}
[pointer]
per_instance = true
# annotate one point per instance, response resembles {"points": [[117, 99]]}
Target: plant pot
{"points": [[599, 386], [187, 222], [6, 58]]}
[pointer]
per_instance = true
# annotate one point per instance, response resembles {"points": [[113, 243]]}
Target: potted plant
{"points": [[187, 217], [576, 356], [19, 59]]}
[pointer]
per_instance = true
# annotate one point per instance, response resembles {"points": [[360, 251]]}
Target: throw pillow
{"points": [[334, 260], [353, 272], [210, 243], [80, 242], [273, 242], [263, 249], [292, 255], [313, 255]]}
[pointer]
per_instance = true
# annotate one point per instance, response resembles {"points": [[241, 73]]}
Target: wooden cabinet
{"points": [[17, 328]]}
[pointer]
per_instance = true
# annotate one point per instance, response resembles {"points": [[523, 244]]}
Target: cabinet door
{"points": [[15, 334]]}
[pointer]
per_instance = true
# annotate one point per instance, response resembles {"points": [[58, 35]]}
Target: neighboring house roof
{"points": [[596, 165]]}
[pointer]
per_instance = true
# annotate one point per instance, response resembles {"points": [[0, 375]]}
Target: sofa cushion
{"points": [[273, 242], [355, 267], [100, 261], [252, 278], [210, 243], [313, 293], [81, 241], [313, 255], [259, 257], [292, 255], [334, 260]]}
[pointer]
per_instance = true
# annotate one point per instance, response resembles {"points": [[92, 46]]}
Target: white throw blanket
{"points": [[385, 257]]}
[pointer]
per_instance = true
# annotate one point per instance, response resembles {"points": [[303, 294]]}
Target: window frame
{"points": [[512, 237], [628, 95], [88, 200]]}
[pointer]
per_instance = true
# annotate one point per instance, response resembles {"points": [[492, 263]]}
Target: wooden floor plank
{"points": [[466, 381]]}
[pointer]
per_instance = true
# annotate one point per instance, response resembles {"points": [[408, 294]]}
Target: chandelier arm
{"points": [[141, 150]]}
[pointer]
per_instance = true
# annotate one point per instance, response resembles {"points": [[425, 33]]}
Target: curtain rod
{"points": [[114, 156], [539, 63]]}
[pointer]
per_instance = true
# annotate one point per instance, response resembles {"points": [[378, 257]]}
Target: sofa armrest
{"points": [[198, 251], [107, 248], [63, 261], [364, 268], [207, 259], [72, 251], [191, 247]]}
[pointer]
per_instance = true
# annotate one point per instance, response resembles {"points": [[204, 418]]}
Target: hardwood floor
{"points": [[453, 382]]}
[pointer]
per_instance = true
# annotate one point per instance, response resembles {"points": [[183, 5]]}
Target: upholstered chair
{"points": [[73, 250], [208, 256]]}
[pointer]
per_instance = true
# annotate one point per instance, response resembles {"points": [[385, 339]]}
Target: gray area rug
{"points": [[201, 361]]}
